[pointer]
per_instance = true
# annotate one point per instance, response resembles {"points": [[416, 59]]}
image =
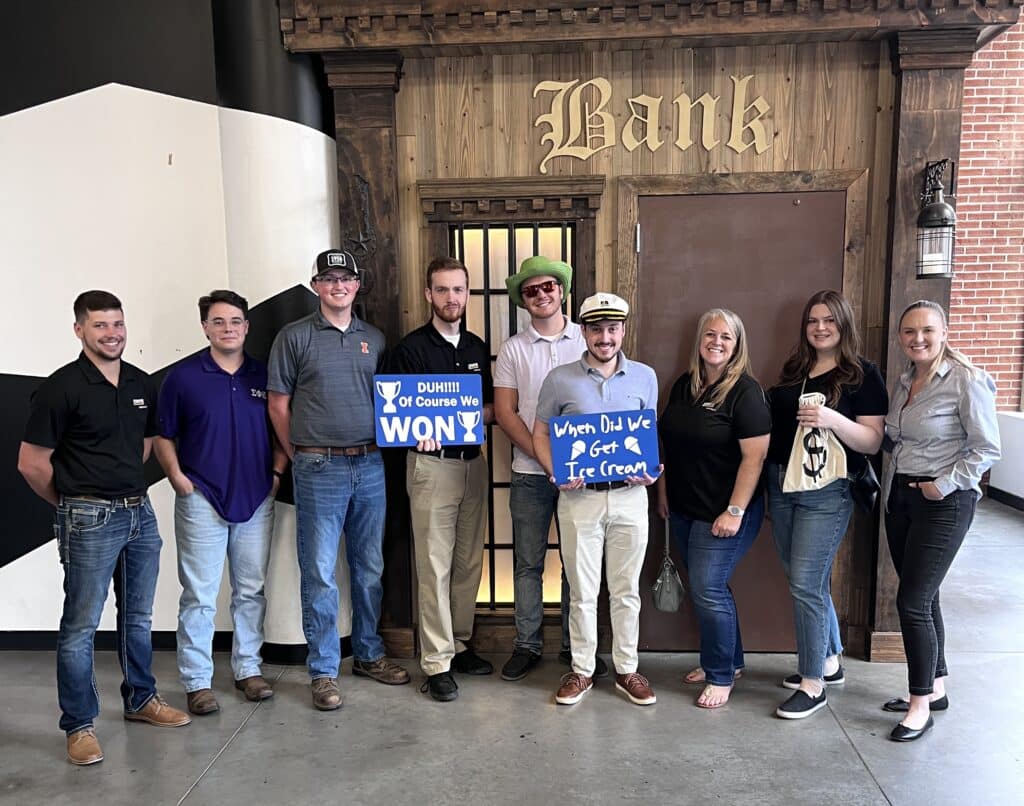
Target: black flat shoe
{"points": [[901, 706], [442, 687], [901, 733]]}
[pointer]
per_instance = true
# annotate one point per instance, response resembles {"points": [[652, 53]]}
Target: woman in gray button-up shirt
{"points": [[943, 434]]}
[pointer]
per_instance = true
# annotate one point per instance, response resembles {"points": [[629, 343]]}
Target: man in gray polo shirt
{"points": [[320, 391], [605, 520]]}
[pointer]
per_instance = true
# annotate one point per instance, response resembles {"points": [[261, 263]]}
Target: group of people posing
{"points": [[225, 428]]}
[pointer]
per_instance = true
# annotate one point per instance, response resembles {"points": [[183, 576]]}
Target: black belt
{"points": [[463, 452], [352, 450], [903, 478], [126, 501], [604, 486]]}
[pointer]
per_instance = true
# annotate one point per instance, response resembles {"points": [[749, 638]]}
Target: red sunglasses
{"points": [[530, 291]]}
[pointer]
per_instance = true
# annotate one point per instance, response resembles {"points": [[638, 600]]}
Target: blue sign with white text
{"points": [[411, 408], [604, 447]]}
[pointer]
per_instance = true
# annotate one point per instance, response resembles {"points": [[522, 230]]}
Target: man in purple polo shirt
{"points": [[216, 449]]}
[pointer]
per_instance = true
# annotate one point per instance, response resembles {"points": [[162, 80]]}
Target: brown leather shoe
{"points": [[255, 688], [83, 748], [574, 686], [201, 701], [326, 696], [382, 671], [636, 687], [158, 712]]}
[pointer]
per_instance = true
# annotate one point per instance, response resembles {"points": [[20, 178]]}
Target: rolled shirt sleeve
{"points": [[981, 447]]}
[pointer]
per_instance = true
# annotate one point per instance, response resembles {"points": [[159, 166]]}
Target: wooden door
{"points": [[761, 255]]}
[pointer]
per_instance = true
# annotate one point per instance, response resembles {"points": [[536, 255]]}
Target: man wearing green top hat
{"points": [[524, 360]]}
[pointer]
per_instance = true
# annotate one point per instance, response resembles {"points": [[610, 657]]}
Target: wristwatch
{"points": [[735, 511]]}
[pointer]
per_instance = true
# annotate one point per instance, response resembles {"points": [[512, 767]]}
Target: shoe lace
{"points": [[574, 677], [78, 735], [634, 677]]}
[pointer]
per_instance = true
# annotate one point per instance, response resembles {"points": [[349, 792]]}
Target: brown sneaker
{"points": [[83, 748], [382, 671], [636, 687], [255, 688], [158, 712], [574, 686], [326, 696], [201, 701]]}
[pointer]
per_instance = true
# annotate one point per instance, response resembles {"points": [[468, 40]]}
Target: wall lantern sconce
{"points": [[936, 224]]}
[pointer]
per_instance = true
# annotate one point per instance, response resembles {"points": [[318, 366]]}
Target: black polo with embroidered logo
{"points": [[426, 351], [96, 430]]}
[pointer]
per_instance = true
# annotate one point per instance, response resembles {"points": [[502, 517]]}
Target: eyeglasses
{"points": [[221, 324], [548, 287], [334, 279]]}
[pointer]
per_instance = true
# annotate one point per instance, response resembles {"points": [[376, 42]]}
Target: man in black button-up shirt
{"points": [[447, 488], [88, 434]]}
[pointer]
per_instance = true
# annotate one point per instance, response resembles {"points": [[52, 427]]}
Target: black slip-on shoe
{"points": [[901, 706], [801, 705], [835, 679], [901, 733]]}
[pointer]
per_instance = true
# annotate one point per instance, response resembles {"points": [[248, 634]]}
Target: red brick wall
{"points": [[987, 302]]}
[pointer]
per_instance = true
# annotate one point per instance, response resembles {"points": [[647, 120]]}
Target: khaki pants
{"points": [[448, 502], [610, 524]]}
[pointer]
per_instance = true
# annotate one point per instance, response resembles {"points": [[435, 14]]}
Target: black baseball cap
{"points": [[335, 260]]}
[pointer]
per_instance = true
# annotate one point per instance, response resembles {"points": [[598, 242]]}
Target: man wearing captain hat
{"points": [[524, 360], [606, 520]]}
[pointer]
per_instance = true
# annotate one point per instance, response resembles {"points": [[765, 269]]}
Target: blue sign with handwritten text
{"points": [[412, 408], [604, 447]]}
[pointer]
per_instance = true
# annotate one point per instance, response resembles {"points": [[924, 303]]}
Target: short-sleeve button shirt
{"points": [[329, 375], [96, 430], [578, 388]]}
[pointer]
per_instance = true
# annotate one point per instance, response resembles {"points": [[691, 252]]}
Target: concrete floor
{"points": [[507, 743]]}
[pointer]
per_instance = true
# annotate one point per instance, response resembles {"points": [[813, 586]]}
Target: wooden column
{"points": [[364, 87], [929, 91]]}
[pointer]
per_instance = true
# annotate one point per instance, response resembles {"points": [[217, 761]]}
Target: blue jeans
{"points": [[98, 542], [204, 538], [710, 562], [532, 502], [808, 528], [335, 495]]}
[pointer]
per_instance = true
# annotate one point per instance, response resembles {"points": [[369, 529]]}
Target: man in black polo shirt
{"points": [[89, 431], [447, 489]]}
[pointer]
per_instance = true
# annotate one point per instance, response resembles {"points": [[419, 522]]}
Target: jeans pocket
{"points": [[83, 519], [308, 462]]}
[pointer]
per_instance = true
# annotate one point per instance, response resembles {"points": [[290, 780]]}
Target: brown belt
{"points": [[353, 450]]}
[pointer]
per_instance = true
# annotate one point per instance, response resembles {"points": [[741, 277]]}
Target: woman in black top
{"points": [[809, 525], [714, 430]]}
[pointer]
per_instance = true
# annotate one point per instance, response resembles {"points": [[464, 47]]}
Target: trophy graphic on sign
{"points": [[389, 391], [469, 420]]}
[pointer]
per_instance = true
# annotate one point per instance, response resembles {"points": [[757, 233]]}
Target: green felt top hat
{"points": [[538, 266]]}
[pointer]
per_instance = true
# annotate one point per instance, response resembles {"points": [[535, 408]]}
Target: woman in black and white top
{"points": [[943, 435], [809, 525]]}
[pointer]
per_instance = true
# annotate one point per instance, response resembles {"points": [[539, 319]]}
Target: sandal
{"points": [[708, 691], [696, 676]]}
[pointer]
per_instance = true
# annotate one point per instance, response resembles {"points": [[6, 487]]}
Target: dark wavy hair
{"points": [[849, 371]]}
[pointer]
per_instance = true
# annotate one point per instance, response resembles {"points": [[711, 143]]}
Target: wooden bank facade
{"points": [[742, 153]]}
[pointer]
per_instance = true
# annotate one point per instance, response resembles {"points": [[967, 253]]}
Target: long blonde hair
{"points": [[948, 351], [739, 362]]}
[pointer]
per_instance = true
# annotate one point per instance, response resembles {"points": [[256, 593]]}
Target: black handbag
{"points": [[864, 488]]}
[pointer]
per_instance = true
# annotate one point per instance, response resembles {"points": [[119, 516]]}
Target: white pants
{"points": [[448, 504], [612, 525]]}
